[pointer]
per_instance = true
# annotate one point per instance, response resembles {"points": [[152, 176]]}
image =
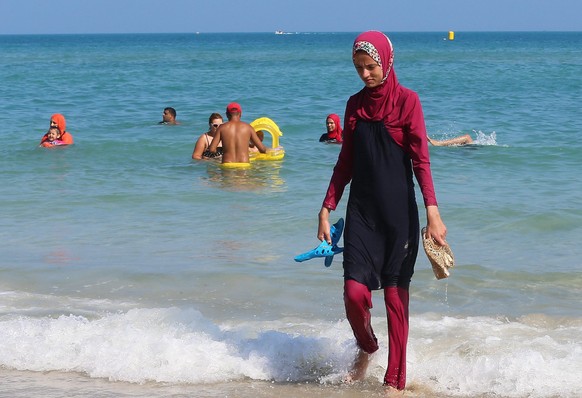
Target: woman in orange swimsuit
{"points": [[58, 121]]}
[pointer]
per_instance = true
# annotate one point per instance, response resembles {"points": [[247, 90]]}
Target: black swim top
{"points": [[325, 138], [207, 153]]}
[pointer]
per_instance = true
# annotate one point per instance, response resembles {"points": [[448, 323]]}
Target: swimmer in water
{"points": [[457, 141], [169, 116]]}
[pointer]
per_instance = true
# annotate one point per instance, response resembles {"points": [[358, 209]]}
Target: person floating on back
{"points": [[457, 141], [235, 136]]}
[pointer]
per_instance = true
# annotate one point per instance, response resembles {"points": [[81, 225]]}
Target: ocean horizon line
{"points": [[289, 32]]}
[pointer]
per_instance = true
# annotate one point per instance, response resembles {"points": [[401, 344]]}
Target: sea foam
{"points": [[456, 356]]}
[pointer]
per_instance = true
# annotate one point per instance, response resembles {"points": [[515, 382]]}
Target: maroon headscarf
{"points": [[337, 133], [381, 102]]}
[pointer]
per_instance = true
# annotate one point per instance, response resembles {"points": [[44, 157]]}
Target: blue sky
{"points": [[170, 16]]}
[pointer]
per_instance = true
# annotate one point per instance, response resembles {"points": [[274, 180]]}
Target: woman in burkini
{"points": [[204, 141], [384, 143], [58, 121], [334, 130]]}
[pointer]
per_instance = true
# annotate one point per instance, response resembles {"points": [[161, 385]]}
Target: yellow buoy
{"points": [[451, 35]]}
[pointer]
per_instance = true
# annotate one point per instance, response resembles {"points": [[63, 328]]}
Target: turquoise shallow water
{"points": [[124, 261]]}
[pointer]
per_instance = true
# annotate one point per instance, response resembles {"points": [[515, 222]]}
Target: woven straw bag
{"points": [[440, 257]]}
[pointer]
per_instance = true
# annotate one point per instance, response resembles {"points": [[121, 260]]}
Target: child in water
{"points": [[252, 147], [53, 138]]}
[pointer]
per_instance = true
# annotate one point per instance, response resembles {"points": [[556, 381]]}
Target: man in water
{"points": [[235, 136], [169, 116]]}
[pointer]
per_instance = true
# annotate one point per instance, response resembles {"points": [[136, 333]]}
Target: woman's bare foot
{"points": [[358, 371], [390, 392]]}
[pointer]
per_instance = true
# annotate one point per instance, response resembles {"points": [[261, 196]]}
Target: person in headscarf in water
{"points": [[58, 121], [334, 130], [385, 143]]}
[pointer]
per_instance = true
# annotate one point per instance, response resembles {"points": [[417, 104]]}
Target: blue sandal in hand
{"points": [[325, 249]]}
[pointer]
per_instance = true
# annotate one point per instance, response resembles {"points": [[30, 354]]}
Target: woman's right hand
{"points": [[323, 228]]}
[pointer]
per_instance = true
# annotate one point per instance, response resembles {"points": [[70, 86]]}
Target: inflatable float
{"points": [[276, 152], [235, 165]]}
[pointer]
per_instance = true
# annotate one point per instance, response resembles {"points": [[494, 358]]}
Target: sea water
{"points": [[128, 269]]}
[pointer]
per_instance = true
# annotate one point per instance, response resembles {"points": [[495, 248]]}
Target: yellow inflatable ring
{"points": [[276, 152], [235, 165], [272, 154]]}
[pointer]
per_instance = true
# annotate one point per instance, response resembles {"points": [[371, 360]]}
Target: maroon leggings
{"points": [[358, 301]]}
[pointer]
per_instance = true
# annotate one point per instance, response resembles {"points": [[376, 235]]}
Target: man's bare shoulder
{"points": [[227, 127], [239, 123]]}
